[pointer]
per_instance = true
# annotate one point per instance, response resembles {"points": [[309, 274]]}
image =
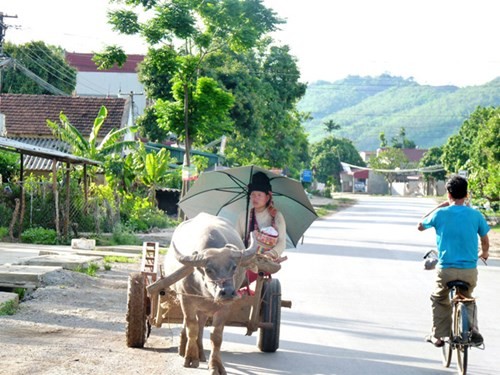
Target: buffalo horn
{"points": [[195, 260], [249, 252]]}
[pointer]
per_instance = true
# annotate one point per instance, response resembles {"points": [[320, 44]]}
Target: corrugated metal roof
{"points": [[48, 153]]}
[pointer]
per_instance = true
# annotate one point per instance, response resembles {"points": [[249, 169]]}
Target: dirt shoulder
{"points": [[76, 325]]}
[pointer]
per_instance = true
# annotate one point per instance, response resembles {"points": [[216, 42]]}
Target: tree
{"points": [[47, 62], [267, 126], [476, 149], [327, 156], [388, 162], [191, 30], [91, 148], [430, 159], [9, 166], [331, 125], [152, 169]]}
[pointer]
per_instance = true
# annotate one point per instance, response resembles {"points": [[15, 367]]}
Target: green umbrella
{"points": [[225, 193]]}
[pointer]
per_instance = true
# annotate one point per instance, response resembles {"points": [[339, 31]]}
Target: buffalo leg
{"points": [[202, 320], [215, 362], [191, 357], [183, 342]]}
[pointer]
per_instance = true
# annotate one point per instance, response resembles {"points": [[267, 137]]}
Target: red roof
{"points": [[361, 174], [413, 154], [26, 115], [82, 62]]}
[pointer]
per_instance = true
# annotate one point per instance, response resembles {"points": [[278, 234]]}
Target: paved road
{"points": [[361, 300]]}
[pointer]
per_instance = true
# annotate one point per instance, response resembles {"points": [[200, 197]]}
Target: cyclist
{"points": [[457, 227]]}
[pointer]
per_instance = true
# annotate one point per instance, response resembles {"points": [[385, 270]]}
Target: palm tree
{"points": [[91, 148], [331, 125]]}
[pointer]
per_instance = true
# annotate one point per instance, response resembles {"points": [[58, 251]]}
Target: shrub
{"points": [[39, 236], [3, 232]]}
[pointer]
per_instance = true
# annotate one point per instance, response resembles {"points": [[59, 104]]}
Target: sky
{"points": [[434, 42]]}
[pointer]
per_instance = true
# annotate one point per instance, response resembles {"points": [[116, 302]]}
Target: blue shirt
{"points": [[457, 228]]}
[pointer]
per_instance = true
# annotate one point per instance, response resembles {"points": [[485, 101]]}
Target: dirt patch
{"points": [[76, 325], [494, 243]]}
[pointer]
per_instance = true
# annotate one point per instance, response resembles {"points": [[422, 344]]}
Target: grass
{"points": [[338, 204], [91, 270], [118, 259], [8, 308]]}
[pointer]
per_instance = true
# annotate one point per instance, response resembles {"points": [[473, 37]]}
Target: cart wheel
{"points": [[269, 338], [137, 311]]}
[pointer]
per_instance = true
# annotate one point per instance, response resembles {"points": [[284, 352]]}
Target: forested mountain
{"points": [[366, 106]]}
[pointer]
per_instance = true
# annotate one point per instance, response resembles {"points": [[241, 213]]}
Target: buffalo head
{"points": [[219, 267]]}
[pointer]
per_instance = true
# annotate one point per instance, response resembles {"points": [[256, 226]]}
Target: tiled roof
{"points": [[82, 62], [413, 154], [26, 115]]}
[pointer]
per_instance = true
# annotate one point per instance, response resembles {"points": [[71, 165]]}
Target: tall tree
{"points": [[432, 158], [388, 163], [46, 61], [189, 30], [327, 156], [476, 149], [330, 126]]}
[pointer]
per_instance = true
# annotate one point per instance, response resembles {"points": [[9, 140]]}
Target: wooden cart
{"points": [[151, 302]]}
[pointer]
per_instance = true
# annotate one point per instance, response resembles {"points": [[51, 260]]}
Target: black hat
{"points": [[260, 182]]}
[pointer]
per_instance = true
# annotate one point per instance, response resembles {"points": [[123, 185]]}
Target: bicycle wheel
{"points": [[462, 331]]}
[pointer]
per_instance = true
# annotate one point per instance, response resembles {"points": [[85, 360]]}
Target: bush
{"points": [[39, 236], [3, 232]]}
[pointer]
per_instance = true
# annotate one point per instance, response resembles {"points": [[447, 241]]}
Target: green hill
{"points": [[366, 106]]}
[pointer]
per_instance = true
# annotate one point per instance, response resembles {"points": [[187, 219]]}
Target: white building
{"points": [[115, 82]]}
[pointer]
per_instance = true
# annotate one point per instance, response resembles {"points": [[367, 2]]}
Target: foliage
{"points": [[139, 214], [118, 259], [388, 162], [152, 168], [327, 156], [39, 236], [399, 141], [123, 236], [90, 270], [367, 106], [6, 211], [91, 148], [46, 61], [194, 106], [264, 83], [476, 149], [330, 126], [432, 158], [9, 165], [4, 231], [209, 110], [8, 308]]}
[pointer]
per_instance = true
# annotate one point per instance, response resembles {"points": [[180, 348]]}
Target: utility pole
{"points": [[3, 29], [131, 117], [4, 60]]}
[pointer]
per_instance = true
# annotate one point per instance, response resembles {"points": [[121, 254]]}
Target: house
{"points": [[114, 82], [24, 118], [356, 179]]}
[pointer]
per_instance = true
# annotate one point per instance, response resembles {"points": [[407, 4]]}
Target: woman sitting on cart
{"points": [[263, 219]]}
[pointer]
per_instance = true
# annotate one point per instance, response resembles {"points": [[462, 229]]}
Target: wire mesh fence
{"points": [[69, 211]]}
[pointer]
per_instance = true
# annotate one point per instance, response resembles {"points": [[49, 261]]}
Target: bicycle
{"points": [[460, 337]]}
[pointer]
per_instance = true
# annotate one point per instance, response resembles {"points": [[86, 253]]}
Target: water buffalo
{"points": [[213, 247]]}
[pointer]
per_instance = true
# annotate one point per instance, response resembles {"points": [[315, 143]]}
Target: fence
{"points": [[74, 213]]}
